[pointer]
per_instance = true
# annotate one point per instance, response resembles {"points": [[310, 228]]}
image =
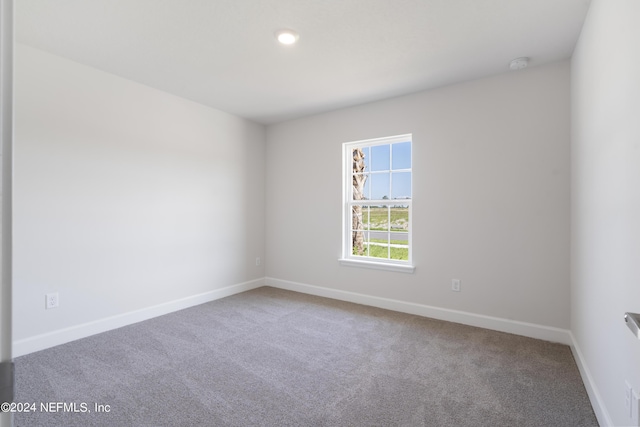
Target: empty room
{"points": [[320, 213]]}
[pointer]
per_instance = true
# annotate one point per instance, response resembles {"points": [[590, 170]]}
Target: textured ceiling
{"points": [[223, 53]]}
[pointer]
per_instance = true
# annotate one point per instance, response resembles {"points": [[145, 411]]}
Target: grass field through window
{"points": [[377, 218]]}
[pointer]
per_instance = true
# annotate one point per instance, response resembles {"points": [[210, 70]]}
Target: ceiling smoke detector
{"points": [[287, 36], [519, 63]]}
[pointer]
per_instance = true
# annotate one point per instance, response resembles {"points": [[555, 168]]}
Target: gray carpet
{"points": [[270, 357]]}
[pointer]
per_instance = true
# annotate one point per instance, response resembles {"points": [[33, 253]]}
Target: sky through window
{"points": [[388, 169]]}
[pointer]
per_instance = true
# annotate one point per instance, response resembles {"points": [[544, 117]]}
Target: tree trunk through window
{"points": [[359, 179]]}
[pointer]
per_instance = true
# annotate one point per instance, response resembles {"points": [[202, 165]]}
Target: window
{"points": [[377, 199]]}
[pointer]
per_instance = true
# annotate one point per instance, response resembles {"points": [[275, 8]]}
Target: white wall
{"points": [[125, 197], [606, 201], [491, 196]]}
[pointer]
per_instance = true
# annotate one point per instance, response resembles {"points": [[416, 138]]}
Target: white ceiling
{"points": [[223, 53]]}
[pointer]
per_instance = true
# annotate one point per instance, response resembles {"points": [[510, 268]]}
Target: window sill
{"points": [[401, 268]]}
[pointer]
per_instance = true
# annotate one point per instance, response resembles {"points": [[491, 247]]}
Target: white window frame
{"points": [[348, 259]]}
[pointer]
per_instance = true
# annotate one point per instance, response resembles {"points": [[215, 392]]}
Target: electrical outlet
{"points": [[455, 285], [257, 261], [51, 300]]}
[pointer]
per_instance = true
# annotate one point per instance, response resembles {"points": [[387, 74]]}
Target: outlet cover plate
{"points": [[52, 300]]}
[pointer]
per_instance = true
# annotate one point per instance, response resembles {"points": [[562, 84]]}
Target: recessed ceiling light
{"points": [[519, 63], [287, 36]]}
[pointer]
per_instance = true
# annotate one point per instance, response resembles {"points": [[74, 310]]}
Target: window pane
{"points": [[360, 189], [359, 218], [401, 185], [400, 253], [380, 186], [399, 227], [360, 245], [358, 177], [379, 160], [366, 195], [399, 218], [366, 213], [359, 155], [379, 250], [401, 155], [379, 235], [366, 151], [400, 238], [359, 225], [379, 218]]}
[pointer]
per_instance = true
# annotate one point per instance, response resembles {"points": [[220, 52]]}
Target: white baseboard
{"points": [[594, 396], [61, 336], [531, 330]]}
